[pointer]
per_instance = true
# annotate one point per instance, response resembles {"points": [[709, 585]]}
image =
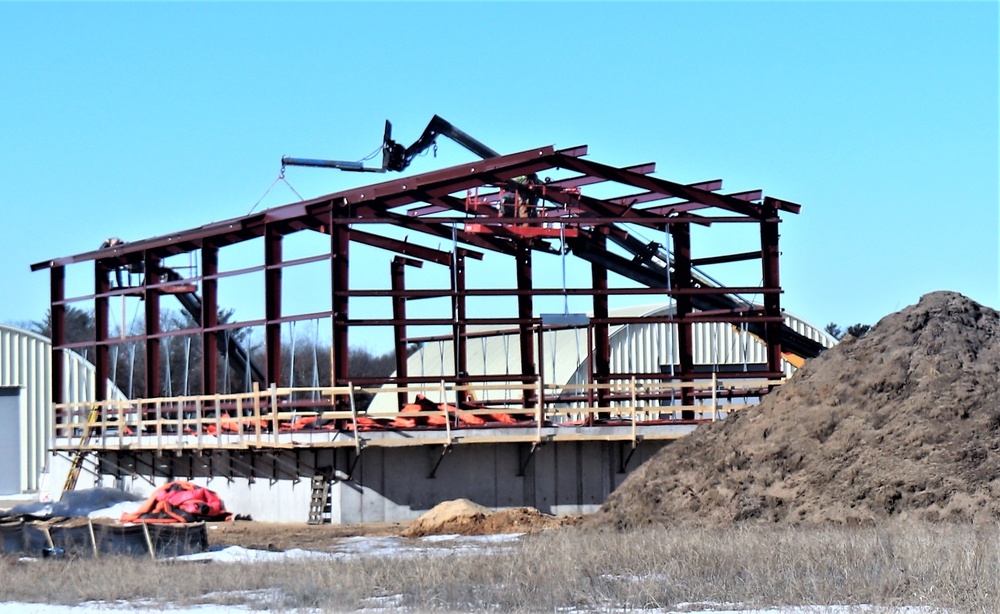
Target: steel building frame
{"points": [[460, 204]]}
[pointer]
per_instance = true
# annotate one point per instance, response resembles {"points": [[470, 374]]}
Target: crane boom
{"points": [[395, 157]]}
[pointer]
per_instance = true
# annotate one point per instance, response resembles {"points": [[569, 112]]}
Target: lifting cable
{"points": [[315, 377], [131, 369], [506, 353], [187, 364], [672, 309], [247, 385], [291, 359], [280, 177], [225, 372], [483, 340], [170, 383]]}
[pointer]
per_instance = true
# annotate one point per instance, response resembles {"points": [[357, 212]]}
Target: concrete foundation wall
{"points": [[392, 483]]}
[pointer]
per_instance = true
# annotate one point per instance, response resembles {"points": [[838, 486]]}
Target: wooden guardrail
{"points": [[327, 416]]}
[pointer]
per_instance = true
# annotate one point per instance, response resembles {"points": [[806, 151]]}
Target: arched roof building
{"points": [[635, 348], [25, 403]]}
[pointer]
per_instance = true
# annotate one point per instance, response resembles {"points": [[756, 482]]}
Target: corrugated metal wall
{"points": [[26, 364], [636, 348], [645, 348]]}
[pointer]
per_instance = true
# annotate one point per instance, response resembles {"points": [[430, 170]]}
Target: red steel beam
{"points": [[659, 185], [681, 235], [772, 301], [340, 241], [102, 283], [272, 304], [525, 312], [234, 230], [398, 280], [602, 339], [682, 207], [569, 182], [152, 300], [209, 319], [57, 318]]}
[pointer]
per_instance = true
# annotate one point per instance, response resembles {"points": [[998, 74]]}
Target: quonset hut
{"points": [[26, 403]]}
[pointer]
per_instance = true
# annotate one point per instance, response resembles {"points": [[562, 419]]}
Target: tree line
{"points": [[305, 361], [854, 330]]}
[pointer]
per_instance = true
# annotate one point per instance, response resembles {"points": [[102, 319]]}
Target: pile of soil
{"points": [[903, 422], [463, 517]]}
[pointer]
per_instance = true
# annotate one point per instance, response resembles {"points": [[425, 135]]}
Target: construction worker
{"points": [[109, 243], [522, 200]]}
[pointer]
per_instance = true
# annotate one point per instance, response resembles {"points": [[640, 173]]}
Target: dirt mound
{"points": [[904, 421], [463, 517]]}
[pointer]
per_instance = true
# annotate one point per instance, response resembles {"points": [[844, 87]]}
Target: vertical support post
{"points": [[209, 319], [715, 396], [152, 300], [340, 239], [397, 273], [681, 235], [602, 341], [525, 312], [461, 341], [102, 285], [272, 304], [57, 315], [772, 281]]}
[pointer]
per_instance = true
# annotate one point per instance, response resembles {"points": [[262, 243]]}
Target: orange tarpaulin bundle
{"points": [[233, 425], [179, 501], [424, 412]]}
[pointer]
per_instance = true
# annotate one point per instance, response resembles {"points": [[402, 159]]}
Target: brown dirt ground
{"points": [[903, 422]]}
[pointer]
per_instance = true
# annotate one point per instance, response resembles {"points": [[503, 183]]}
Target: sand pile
{"points": [[463, 517], [902, 422]]}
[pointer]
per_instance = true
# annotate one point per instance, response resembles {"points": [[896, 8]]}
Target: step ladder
{"points": [[319, 504]]}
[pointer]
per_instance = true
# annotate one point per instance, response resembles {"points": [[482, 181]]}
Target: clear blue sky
{"points": [[134, 120]]}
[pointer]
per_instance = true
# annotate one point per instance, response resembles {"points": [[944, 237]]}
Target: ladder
{"points": [[319, 504], [78, 457]]}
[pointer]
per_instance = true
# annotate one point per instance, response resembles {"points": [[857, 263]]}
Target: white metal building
{"points": [[636, 348], [25, 403]]}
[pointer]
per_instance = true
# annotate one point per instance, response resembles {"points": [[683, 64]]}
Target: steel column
{"points": [[602, 341], [210, 319], [102, 284], [525, 312], [340, 239], [272, 304], [772, 300], [57, 321], [152, 310], [458, 308], [681, 235], [398, 274]]}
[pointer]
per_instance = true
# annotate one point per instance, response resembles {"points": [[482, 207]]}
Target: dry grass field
{"points": [[952, 567]]}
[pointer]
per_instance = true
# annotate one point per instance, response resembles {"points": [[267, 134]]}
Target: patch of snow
{"points": [[239, 554], [115, 511], [498, 538], [440, 538]]}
